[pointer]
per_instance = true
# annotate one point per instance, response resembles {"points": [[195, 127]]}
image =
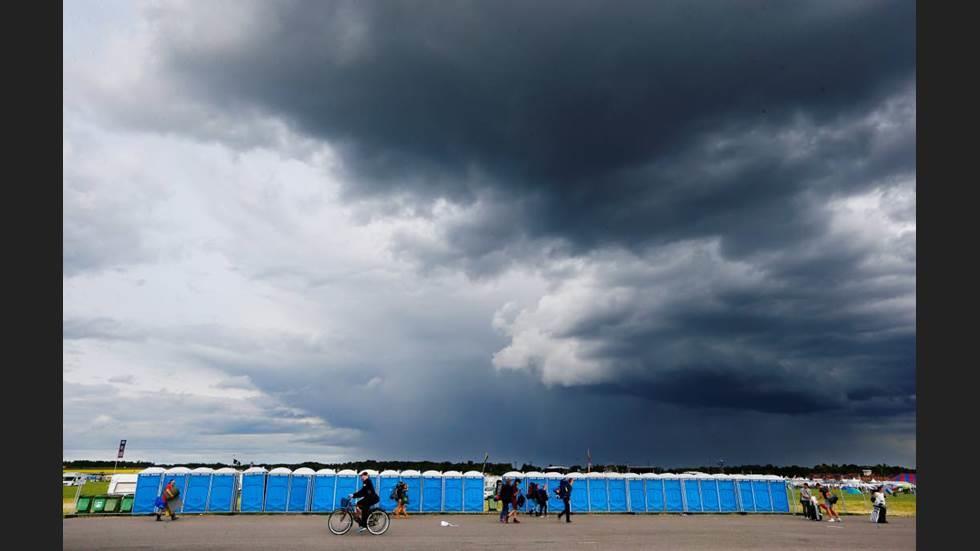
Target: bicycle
{"points": [[341, 520]]}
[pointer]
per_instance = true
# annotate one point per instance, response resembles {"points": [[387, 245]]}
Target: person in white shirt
{"points": [[878, 514]]}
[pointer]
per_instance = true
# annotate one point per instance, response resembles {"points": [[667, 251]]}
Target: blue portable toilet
{"points": [[580, 492], [635, 494], [277, 490], [552, 480], [692, 493], [473, 483], [253, 489], [746, 500], [709, 493], [653, 485], [198, 488], [431, 492], [324, 484], [760, 491], [224, 490], [413, 480], [673, 494], [452, 484], [299, 490], [149, 484], [598, 491], [529, 478], [618, 499], [180, 476], [347, 484], [387, 480], [777, 491], [727, 500]]}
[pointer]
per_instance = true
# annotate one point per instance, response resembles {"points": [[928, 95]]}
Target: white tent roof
{"points": [[281, 470], [304, 471]]}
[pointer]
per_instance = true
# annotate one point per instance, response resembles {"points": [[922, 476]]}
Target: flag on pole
{"points": [[122, 449], [588, 455], [485, 457]]}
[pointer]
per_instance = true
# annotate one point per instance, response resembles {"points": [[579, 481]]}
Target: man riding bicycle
{"points": [[368, 498]]}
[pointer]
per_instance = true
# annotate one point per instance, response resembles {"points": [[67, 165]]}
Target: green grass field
{"points": [[902, 505]]}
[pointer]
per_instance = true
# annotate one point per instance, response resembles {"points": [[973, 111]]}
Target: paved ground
{"points": [[688, 533]]}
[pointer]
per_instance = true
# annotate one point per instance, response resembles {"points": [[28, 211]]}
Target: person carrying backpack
{"points": [[565, 495], [399, 494], [518, 501], [505, 496], [168, 502], [542, 499]]}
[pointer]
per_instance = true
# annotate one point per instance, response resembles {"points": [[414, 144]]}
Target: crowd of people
{"points": [[513, 499], [815, 506]]}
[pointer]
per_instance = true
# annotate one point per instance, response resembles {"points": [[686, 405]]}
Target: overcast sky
{"points": [[668, 232]]}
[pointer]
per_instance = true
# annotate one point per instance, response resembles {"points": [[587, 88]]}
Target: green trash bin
{"points": [[98, 504], [83, 505], [111, 504], [126, 504]]}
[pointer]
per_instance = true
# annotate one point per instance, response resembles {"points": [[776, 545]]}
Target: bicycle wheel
{"points": [[378, 522], [340, 522]]}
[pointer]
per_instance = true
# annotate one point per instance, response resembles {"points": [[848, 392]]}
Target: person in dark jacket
{"points": [[368, 498], [543, 501], [506, 495], [565, 495]]}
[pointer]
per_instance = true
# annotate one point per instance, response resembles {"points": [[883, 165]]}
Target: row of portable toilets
{"points": [[257, 490]]}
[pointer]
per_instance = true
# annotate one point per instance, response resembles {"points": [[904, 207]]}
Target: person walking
{"points": [[543, 501], [829, 499], [505, 496], [517, 501], [401, 499], [532, 496], [169, 500], [565, 495], [805, 501]]}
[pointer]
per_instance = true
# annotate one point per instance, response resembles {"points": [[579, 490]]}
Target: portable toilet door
{"points": [[387, 481], [673, 494], [413, 480], [431, 492], [198, 489], [653, 485], [532, 477], [179, 475], [760, 491], [324, 486], [746, 499], [553, 481], [347, 484], [777, 493], [636, 498], [224, 489], [277, 490], [149, 484], [473, 501], [727, 500], [452, 492], [598, 492], [709, 494], [616, 487], [580, 493], [299, 490], [253, 489], [691, 493]]}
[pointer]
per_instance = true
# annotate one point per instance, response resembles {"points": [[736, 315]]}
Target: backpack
{"points": [[833, 499], [520, 500], [394, 493]]}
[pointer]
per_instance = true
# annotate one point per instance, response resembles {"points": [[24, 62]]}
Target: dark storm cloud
{"points": [[597, 116]]}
